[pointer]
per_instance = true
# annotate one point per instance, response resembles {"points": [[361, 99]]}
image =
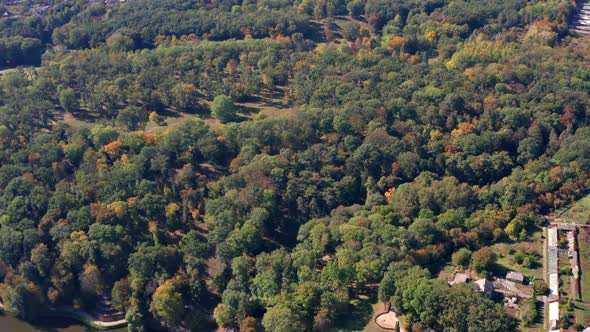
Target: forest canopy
{"points": [[400, 137]]}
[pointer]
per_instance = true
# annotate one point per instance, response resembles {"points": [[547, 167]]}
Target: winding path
{"points": [[81, 316]]}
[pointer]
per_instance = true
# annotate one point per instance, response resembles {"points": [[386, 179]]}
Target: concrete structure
{"points": [[485, 286], [552, 236], [581, 21], [573, 256], [554, 315], [553, 286], [515, 277], [565, 226], [553, 252], [553, 270], [553, 260], [460, 278]]}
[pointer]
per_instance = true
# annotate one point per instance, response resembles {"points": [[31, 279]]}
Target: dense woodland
{"points": [[421, 129]]}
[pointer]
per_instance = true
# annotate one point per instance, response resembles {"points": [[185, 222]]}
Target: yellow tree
{"points": [[167, 304]]}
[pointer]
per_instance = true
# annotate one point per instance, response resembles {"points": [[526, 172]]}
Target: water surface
{"points": [[9, 323]]}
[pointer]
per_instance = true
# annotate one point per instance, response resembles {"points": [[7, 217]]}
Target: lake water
{"points": [[9, 323]]}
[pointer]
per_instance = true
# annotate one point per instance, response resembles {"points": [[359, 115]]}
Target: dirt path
{"points": [[85, 317], [382, 319], [82, 316]]}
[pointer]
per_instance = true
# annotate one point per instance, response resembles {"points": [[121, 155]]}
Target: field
{"points": [[6, 71], [577, 213], [583, 306], [266, 106], [506, 261]]}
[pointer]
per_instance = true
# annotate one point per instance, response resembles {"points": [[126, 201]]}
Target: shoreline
{"points": [[80, 316]]}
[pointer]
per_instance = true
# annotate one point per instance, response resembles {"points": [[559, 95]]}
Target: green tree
{"points": [[355, 8], [224, 315], [281, 318], [91, 283], [25, 301], [41, 257], [121, 294], [121, 41], [483, 259], [223, 108], [135, 319], [102, 135], [68, 100], [540, 288], [461, 257], [131, 118], [185, 97]]}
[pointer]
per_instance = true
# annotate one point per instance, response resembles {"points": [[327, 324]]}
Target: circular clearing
{"points": [[387, 320]]}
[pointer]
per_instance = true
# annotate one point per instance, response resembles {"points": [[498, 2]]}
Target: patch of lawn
{"points": [[538, 324], [583, 306], [532, 248], [577, 213], [360, 315]]}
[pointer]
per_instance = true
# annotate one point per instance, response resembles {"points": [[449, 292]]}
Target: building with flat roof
{"points": [[554, 315], [515, 277]]}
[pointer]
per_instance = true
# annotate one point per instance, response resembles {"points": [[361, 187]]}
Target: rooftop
{"points": [[515, 276], [460, 278], [485, 285]]}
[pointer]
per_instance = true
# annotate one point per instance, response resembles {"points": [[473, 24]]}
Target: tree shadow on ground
{"points": [[247, 110], [359, 313]]}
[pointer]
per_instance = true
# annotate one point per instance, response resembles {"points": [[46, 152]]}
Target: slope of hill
{"points": [[288, 164]]}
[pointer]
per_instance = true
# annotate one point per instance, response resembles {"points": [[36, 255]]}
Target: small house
{"points": [[515, 277]]}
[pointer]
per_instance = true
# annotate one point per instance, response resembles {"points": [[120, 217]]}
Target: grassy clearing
{"points": [[342, 22], [583, 306], [372, 325], [564, 280], [77, 122], [6, 71], [362, 316], [337, 25], [509, 265], [28, 71], [506, 261], [577, 213], [538, 326], [171, 122], [268, 105]]}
